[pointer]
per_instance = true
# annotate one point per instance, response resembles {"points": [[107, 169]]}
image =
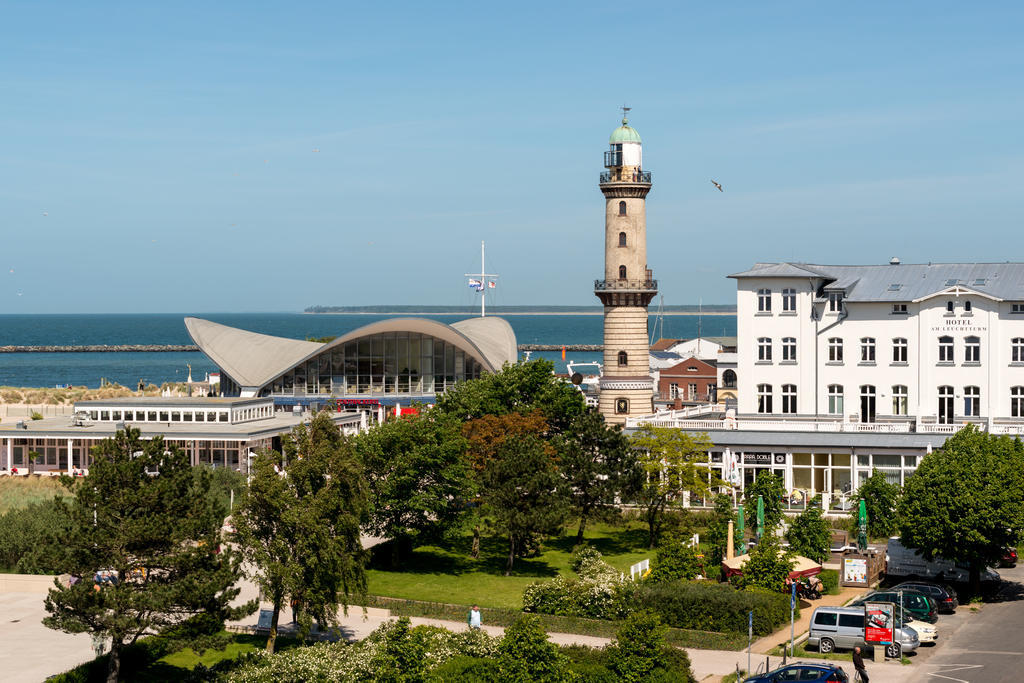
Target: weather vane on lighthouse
{"points": [[481, 282]]}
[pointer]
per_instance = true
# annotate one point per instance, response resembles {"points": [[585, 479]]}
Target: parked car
{"points": [[1009, 558], [917, 605], [842, 628], [942, 594], [816, 672], [908, 563], [926, 633]]}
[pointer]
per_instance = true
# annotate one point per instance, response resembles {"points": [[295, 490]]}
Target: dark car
{"points": [[943, 595], [1009, 558], [917, 605], [823, 672]]}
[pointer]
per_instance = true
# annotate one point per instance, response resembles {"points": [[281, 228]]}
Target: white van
{"points": [[901, 561]]}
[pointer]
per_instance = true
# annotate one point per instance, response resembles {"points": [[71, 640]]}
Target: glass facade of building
{"points": [[392, 363]]}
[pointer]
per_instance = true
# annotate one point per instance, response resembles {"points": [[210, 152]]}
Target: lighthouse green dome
{"points": [[624, 133]]}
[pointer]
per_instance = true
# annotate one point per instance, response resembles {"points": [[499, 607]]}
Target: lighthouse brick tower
{"points": [[628, 287]]}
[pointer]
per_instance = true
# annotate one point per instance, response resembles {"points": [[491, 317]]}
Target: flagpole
{"points": [[483, 286]]}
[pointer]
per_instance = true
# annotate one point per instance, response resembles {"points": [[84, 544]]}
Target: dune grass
{"points": [[19, 492], [447, 573]]}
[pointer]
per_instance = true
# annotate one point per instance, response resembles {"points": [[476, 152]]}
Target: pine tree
{"points": [[145, 542]]}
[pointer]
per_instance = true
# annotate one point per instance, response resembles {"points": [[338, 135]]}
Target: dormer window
{"points": [[835, 301]]}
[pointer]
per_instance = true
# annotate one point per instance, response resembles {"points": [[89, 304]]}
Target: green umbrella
{"points": [[862, 526], [739, 544], [760, 517]]}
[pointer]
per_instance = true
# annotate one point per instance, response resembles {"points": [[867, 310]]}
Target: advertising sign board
{"points": [[878, 622], [855, 570]]}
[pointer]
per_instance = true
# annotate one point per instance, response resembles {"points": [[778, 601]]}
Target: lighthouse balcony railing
{"points": [[631, 177], [626, 285]]}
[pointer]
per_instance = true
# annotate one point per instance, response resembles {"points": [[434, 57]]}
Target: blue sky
{"points": [[159, 157]]}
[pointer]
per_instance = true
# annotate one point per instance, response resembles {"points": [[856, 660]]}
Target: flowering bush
{"points": [[394, 647], [600, 592]]}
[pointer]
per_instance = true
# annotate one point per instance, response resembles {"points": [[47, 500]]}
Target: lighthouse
{"points": [[628, 287]]}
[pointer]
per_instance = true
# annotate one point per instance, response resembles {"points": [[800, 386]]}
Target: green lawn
{"points": [[449, 574]]}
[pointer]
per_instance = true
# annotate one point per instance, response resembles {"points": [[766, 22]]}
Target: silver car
{"points": [[843, 628]]}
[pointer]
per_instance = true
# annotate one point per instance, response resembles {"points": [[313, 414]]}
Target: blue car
{"points": [[805, 672]]}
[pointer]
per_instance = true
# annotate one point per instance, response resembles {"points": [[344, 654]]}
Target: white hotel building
{"points": [[843, 369]]}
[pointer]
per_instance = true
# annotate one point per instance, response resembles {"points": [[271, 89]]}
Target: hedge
{"points": [[829, 582], [679, 637], [703, 606]]}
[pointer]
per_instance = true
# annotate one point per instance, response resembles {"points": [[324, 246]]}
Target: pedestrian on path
{"points": [[474, 617], [858, 665]]}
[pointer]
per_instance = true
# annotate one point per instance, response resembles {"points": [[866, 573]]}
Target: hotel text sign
{"points": [[959, 327]]}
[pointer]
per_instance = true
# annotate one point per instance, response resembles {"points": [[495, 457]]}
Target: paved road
{"points": [[982, 647]]}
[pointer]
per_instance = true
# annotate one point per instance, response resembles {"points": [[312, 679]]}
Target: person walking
{"points": [[474, 617], [858, 665]]}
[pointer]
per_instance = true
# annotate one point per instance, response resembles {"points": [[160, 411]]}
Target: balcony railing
{"points": [[675, 419], [619, 177], [626, 285]]}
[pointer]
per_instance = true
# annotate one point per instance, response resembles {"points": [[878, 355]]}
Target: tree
{"points": [[810, 535], [525, 492], [526, 656], [639, 647], [669, 460], [717, 537], [768, 565], [965, 502], [486, 435], [520, 388], [298, 525], [418, 477], [770, 487], [881, 500], [598, 466], [147, 528]]}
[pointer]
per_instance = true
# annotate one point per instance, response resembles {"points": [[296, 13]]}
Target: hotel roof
{"points": [[904, 282]]}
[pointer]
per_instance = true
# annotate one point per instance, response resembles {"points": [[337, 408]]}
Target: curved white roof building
{"points": [[406, 357]]}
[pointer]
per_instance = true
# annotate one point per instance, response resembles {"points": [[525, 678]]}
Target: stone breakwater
{"points": [[100, 348], [151, 348]]}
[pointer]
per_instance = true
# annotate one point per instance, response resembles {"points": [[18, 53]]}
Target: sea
{"points": [[128, 368]]}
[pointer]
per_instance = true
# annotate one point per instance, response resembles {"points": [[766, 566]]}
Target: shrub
{"points": [[466, 670], [638, 646], [810, 535], [704, 606], [768, 566], [583, 556], [829, 581], [31, 537], [881, 500], [36, 415], [525, 654], [675, 560]]}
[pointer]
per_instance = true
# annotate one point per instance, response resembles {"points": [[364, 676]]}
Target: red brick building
{"points": [[691, 380]]}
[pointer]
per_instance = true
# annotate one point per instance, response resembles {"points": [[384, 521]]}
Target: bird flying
{"points": [[718, 185]]}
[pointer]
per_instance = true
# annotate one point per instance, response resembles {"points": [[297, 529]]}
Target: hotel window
{"points": [[949, 308], [1016, 308], [622, 208], [972, 401], [789, 398], [622, 239], [105, 415], [835, 399], [899, 400], [1017, 402], [764, 349], [899, 309], [1017, 350], [972, 349], [691, 391], [967, 306], [945, 405], [623, 358], [835, 301], [764, 398], [789, 349], [622, 272], [729, 379], [835, 350], [764, 301], [899, 350], [867, 350], [945, 349], [151, 416], [789, 300]]}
